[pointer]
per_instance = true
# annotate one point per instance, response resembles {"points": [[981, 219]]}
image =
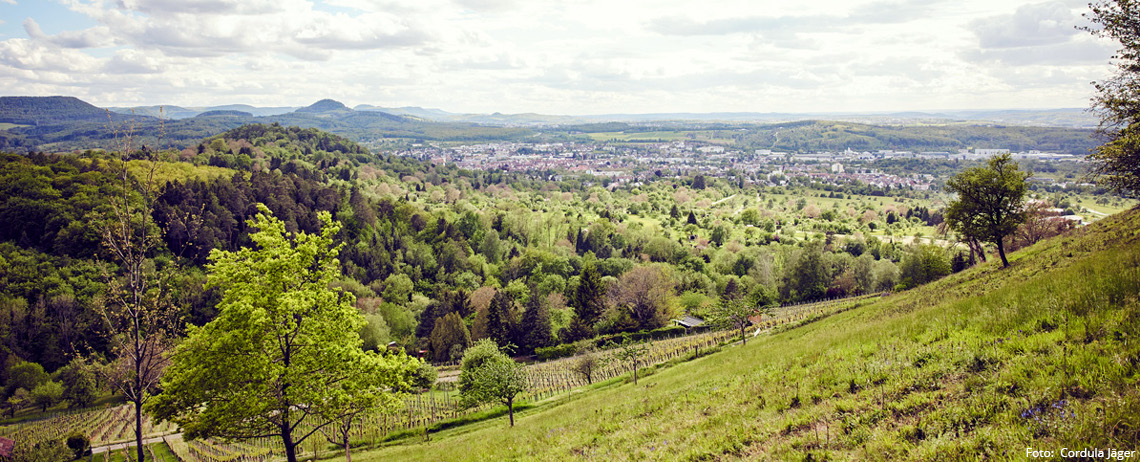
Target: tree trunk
{"points": [[138, 432], [347, 447], [287, 439], [511, 410], [1001, 251], [743, 335]]}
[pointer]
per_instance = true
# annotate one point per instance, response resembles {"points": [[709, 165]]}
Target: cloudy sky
{"points": [[556, 57]]}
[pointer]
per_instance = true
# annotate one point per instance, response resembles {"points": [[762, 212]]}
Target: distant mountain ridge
{"points": [[1062, 117]]}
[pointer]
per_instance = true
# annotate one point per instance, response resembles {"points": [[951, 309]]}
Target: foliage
{"points": [[923, 264], [79, 383], [631, 353], [449, 333], [492, 377], [645, 295], [1118, 98], [481, 352], [990, 203], [47, 394], [284, 349]]}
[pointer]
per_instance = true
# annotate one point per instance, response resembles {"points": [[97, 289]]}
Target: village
{"points": [[633, 162]]}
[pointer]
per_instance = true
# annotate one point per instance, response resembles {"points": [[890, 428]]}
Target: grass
{"points": [[981, 364]]}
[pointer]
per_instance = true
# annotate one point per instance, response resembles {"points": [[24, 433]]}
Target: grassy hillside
{"points": [[981, 364]]}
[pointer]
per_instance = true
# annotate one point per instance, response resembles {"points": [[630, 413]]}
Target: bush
{"points": [[556, 351], [79, 444]]}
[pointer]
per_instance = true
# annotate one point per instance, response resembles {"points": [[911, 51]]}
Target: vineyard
{"points": [[104, 426], [419, 412]]}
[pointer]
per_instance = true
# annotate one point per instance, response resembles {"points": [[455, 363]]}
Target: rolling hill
{"points": [[980, 365]]}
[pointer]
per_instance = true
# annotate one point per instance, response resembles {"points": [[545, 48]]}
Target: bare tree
{"points": [[138, 314]]}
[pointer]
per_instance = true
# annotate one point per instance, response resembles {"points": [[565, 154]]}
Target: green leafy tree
{"points": [[990, 202], [499, 380], [1118, 98], [283, 358], [25, 375], [47, 394], [79, 385], [481, 352], [923, 264]]}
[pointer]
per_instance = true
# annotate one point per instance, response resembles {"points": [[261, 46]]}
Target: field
{"points": [[981, 364]]}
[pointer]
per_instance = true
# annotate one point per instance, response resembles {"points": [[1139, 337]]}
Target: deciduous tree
{"points": [[1118, 98], [283, 358], [990, 203]]}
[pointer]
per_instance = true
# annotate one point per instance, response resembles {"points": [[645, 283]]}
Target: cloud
{"points": [[486, 5], [34, 56], [1031, 25], [1061, 54], [87, 38], [883, 12], [10, 2]]}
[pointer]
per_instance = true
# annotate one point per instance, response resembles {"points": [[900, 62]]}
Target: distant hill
{"points": [[324, 105], [224, 114], [51, 110]]}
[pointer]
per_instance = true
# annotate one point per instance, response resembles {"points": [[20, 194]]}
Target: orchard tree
{"points": [[283, 357], [630, 353], [736, 310], [1118, 98], [487, 375], [990, 203]]}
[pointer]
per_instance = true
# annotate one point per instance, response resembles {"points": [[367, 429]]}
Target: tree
{"points": [[47, 394], [489, 375], [283, 358], [448, 332], [79, 387], [588, 302], [500, 318], [923, 264], [1117, 162], [25, 375], [587, 365], [645, 294], [535, 324], [139, 314], [736, 311], [630, 353], [990, 202], [500, 380]]}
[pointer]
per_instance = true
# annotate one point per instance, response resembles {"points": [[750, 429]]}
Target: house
{"points": [[689, 322]]}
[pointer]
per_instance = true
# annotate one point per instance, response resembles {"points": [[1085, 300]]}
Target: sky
{"points": [[571, 57]]}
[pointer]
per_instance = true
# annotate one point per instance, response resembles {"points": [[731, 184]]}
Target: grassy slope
{"points": [[980, 364]]}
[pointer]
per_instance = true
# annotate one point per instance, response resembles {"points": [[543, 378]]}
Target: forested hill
{"points": [[823, 135], [52, 110]]}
